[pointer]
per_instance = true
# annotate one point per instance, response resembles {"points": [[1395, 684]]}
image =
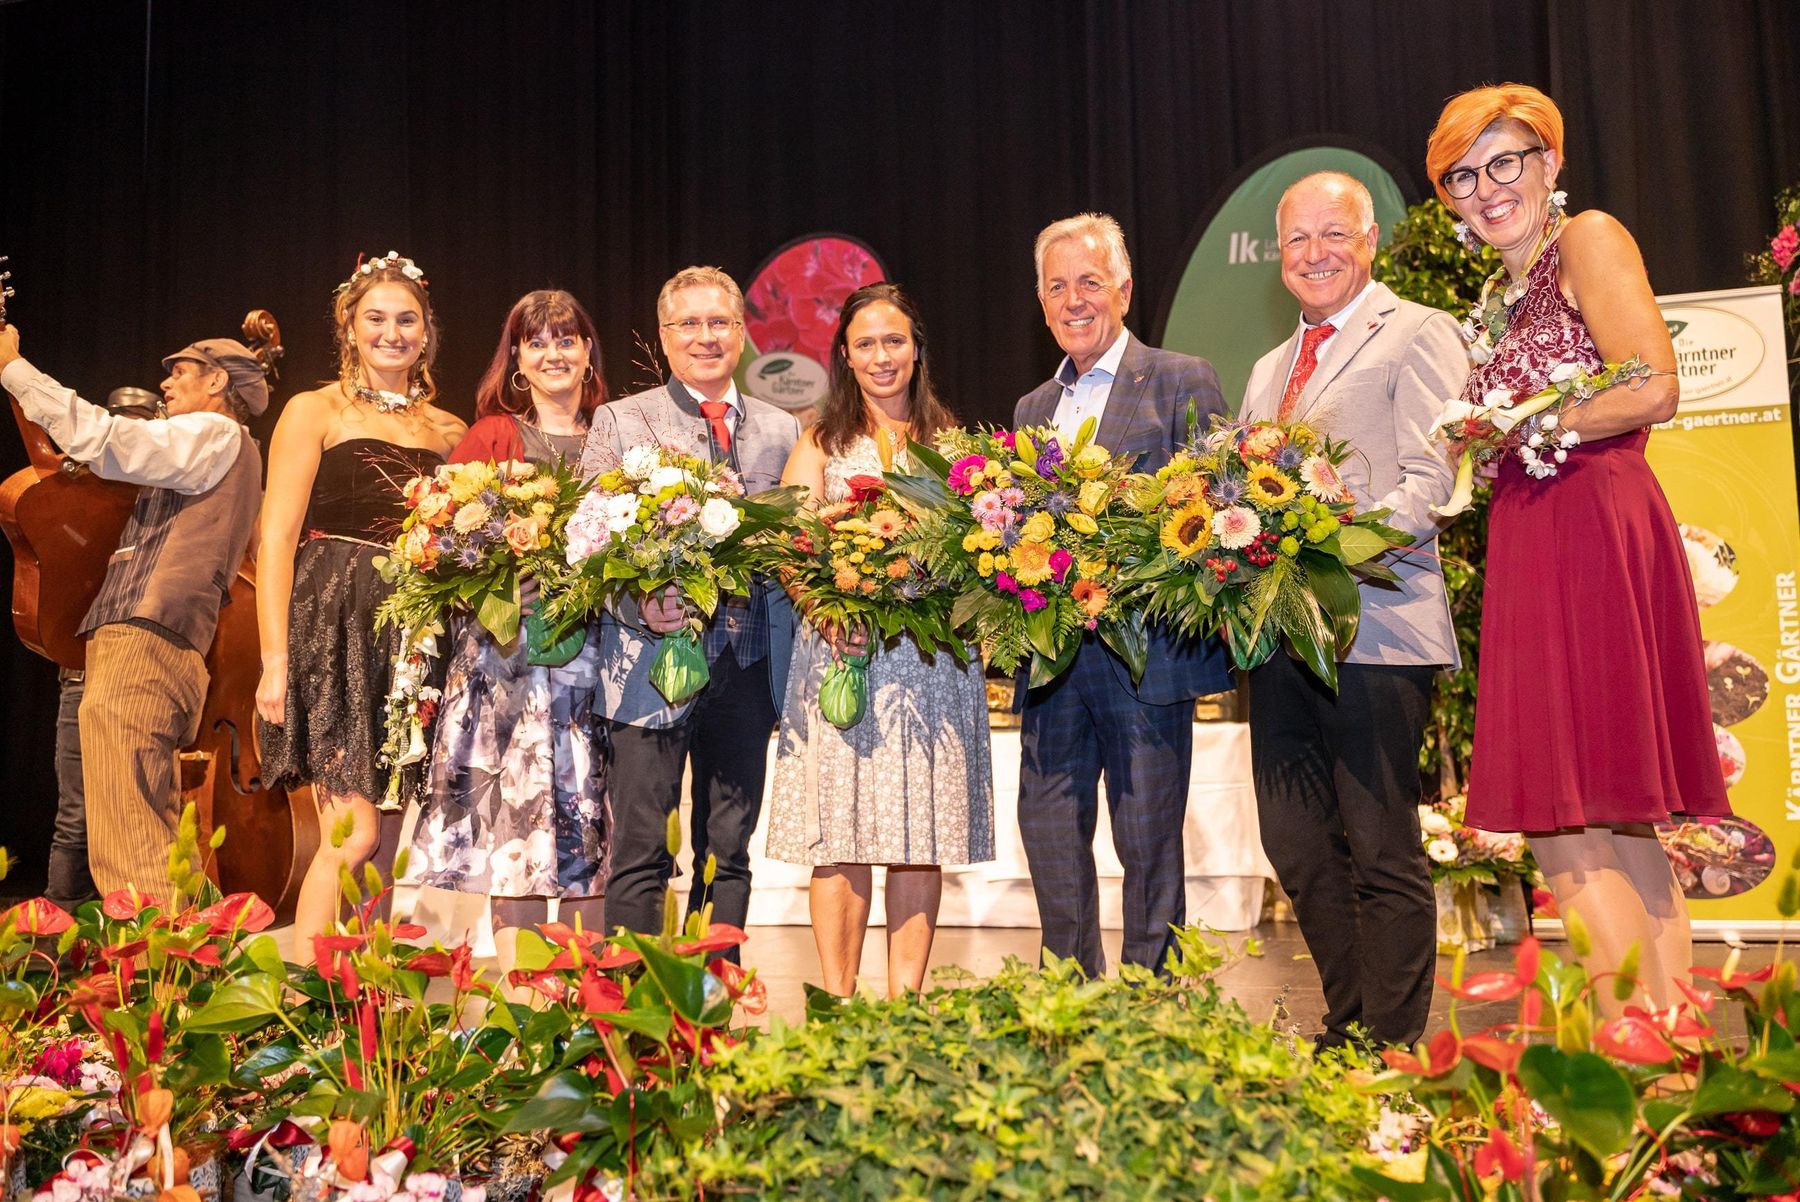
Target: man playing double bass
{"points": [[149, 629]]}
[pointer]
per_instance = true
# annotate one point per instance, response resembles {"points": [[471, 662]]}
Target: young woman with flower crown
{"points": [[337, 461], [516, 803], [911, 785], [1593, 721]]}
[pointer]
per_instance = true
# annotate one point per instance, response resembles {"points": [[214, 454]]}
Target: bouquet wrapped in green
{"points": [[848, 567], [664, 518], [1022, 527], [1252, 532]]}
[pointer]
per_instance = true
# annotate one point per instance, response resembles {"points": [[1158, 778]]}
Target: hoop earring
{"points": [[588, 374], [518, 382]]}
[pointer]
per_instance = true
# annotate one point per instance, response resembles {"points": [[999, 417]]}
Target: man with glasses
{"points": [[1337, 776], [1093, 721], [723, 733]]}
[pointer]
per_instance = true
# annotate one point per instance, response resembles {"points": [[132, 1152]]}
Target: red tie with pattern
{"points": [[715, 412], [1303, 368]]}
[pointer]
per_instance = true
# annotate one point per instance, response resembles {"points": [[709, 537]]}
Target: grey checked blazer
{"points": [[1381, 386], [670, 416]]}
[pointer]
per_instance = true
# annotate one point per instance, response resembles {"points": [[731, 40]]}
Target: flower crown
{"points": [[393, 259]]}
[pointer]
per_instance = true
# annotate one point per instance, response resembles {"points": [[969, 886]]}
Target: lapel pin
{"points": [[1138, 378]]}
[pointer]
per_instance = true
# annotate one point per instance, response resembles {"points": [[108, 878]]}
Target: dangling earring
{"points": [[1467, 237], [588, 374], [518, 382], [1558, 200]]}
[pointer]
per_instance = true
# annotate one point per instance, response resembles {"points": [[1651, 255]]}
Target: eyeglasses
{"points": [[1089, 287], [1330, 240], [690, 327], [1502, 169]]}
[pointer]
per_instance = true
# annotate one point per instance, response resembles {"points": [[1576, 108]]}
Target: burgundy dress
{"points": [[1591, 703]]}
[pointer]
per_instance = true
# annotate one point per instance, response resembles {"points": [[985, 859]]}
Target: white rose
{"points": [[664, 477], [1441, 850], [640, 461], [1562, 373], [1432, 822], [719, 517]]}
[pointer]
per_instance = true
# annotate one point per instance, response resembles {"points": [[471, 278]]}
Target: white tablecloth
{"points": [[1226, 866]]}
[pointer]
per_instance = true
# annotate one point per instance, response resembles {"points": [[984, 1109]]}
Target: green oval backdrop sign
{"points": [[1231, 308]]}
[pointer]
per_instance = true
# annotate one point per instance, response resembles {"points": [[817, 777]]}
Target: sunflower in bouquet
{"points": [[661, 518], [1021, 523], [1252, 531], [473, 532], [849, 566]]}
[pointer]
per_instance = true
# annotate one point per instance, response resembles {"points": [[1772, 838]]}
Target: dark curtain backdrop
{"points": [[166, 165]]}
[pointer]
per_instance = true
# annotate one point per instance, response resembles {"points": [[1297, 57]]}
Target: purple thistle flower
{"points": [[494, 531], [490, 498], [1058, 503], [1009, 535], [1227, 490], [469, 556], [1288, 456]]}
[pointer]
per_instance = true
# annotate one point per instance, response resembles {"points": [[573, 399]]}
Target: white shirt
{"points": [[1336, 320], [1086, 397], [189, 453]]}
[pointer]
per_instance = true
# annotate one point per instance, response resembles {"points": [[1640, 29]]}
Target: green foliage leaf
{"points": [[239, 1005], [564, 1102], [1585, 1093]]}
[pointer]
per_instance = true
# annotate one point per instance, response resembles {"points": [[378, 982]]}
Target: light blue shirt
{"points": [[1085, 397]]}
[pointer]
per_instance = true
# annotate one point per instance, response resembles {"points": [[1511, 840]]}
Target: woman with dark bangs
{"points": [[516, 805]]}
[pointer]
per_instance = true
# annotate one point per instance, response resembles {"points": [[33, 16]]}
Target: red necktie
{"points": [[715, 412], [1303, 368]]}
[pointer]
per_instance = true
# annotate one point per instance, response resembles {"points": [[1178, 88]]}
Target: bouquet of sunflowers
{"points": [[1021, 524], [472, 533], [1251, 531], [663, 517], [849, 566]]}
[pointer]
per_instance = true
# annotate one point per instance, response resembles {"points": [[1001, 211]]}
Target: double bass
{"points": [[64, 523]]}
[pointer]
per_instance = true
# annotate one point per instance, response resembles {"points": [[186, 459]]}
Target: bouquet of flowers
{"points": [[662, 517], [473, 532], [1461, 854], [1021, 524], [1252, 531], [1506, 421], [850, 567]]}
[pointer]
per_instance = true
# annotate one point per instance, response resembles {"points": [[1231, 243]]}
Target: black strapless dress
{"points": [[339, 665]]}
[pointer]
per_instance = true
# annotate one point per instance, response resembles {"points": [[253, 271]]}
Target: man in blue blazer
{"points": [[724, 731], [1092, 722]]}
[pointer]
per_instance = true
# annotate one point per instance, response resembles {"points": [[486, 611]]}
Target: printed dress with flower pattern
{"points": [[339, 666], [913, 782], [516, 804], [1591, 701]]}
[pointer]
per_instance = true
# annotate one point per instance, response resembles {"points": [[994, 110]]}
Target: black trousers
{"points": [[1337, 794], [725, 739]]}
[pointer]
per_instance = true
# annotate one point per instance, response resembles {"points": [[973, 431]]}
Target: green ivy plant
{"points": [[1425, 263], [1035, 1084]]}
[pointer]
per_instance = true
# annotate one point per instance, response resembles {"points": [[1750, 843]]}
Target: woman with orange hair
{"points": [[1594, 722]]}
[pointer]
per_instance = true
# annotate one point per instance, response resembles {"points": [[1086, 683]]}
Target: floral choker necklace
{"points": [[391, 402], [1487, 321]]}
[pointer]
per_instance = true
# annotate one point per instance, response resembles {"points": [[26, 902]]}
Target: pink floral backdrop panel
{"points": [[794, 301]]}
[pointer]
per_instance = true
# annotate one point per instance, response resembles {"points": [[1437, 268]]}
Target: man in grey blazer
{"points": [[1092, 721], [1337, 778], [723, 733]]}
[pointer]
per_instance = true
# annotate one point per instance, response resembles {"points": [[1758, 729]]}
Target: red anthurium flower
{"points": [[238, 912], [153, 1037], [408, 930], [1635, 1040], [600, 995], [433, 963], [462, 966], [127, 903], [206, 953], [1440, 1056], [745, 987], [337, 943], [1729, 978], [617, 957], [112, 953], [1500, 1155], [1757, 1124], [546, 983], [1500, 986], [1678, 1021], [718, 937], [1531, 1008], [1490, 1051], [40, 916], [563, 935]]}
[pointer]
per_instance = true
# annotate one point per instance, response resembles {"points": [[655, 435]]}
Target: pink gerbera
{"points": [[1323, 481], [1236, 527], [987, 508], [680, 509], [962, 469]]}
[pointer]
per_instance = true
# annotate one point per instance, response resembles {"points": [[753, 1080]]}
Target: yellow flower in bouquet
{"points": [[1038, 528], [885, 524], [1092, 497], [1269, 487], [1031, 561], [470, 480], [1188, 530], [1090, 462], [470, 516]]}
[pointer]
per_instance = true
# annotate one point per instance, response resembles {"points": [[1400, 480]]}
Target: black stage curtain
{"points": [[169, 164]]}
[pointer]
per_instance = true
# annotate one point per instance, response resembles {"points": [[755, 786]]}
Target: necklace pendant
{"points": [[385, 401]]}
